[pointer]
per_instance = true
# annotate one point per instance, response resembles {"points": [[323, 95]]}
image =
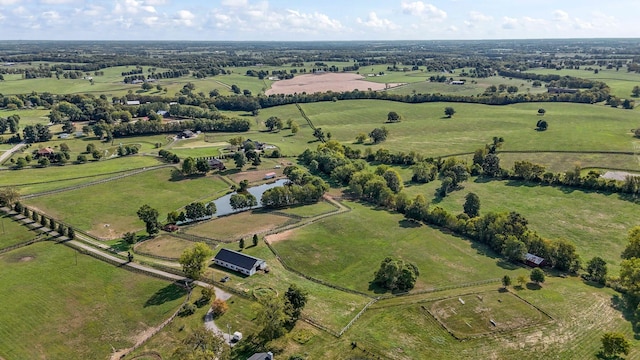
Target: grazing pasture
{"points": [[50, 307]]}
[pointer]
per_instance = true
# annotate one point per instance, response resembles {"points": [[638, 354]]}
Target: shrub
{"points": [[219, 307], [187, 309]]}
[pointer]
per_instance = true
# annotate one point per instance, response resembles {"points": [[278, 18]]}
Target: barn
{"points": [[533, 260], [239, 262]]}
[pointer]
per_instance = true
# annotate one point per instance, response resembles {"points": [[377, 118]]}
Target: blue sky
{"points": [[303, 20]]}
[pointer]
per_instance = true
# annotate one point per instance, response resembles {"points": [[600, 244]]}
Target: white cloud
{"points": [[133, 7], [235, 3], [20, 10], [184, 18], [373, 21], [509, 23], [90, 10], [418, 8], [561, 16], [51, 15], [150, 20], [303, 22], [57, 2], [2, 17], [9, 2], [478, 16]]}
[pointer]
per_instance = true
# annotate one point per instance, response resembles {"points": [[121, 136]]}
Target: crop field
{"points": [[334, 250], [116, 211], [241, 225], [553, 212], [50, 307], [485, 313]]}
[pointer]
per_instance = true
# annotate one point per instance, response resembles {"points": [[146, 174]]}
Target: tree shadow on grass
{"points": [[507, 265], [409, 224], [533, 286], [168, 293], [377, 289]]}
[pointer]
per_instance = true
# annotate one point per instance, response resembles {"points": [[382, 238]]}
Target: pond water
{"points": [[223, 207]]}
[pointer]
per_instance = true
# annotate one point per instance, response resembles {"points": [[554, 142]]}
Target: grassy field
{"points": [[307, 211], [472, 315], [27, 117], [164, 245], [241, 225], [35, 180], [621, 82], [158, 188], [337, 251], [562, 162], [424, 128], [596, 223], [581, 315], [51, 308], [11, 232]]}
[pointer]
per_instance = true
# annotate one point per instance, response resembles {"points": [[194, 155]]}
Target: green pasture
{"points": [[27, 117], [581, 314], [621, 82], [426, 130], [109, 209], [307, 211], [164, 245], [338, 250], [12, 233], [597, 223], [240, 225], [60, 305], [328, 306], [562, 162], [35, 180]]}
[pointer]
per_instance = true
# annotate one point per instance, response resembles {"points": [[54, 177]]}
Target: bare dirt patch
{"points": [[314, 83], [274, 238], [256, 175], [26, 258]]}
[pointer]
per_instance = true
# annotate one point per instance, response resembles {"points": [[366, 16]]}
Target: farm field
{"points": [[334, 250], [164, 245], [307, 211], [12, 233], [553, 212], [426, 130], [621, 82], [241, 225], [116, 212], [562, 162], [50, 308]]}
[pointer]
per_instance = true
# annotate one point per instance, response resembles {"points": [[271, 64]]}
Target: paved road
{"points": [[5, 155]]}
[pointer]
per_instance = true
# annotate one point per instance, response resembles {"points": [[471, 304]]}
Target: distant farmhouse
{"points": [[457, 82], [239, 262], [215, 164], [533, 260], [45, 152], [186, 134], [133, 102], [257, 145]]}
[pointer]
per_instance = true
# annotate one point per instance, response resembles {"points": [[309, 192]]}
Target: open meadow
{"points": [[51, 308], [108, 210]]}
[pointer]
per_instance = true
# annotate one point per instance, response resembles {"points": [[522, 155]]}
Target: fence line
{"points": [[373, 301]]}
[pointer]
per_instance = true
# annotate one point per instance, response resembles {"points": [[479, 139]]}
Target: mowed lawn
{"points": [[54, 308], [347, 249], [425, 129], [12, 232], [596, 223], [109, 209]]}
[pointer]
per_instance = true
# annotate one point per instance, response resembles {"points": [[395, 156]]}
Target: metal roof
{"points": [[238, 259]]}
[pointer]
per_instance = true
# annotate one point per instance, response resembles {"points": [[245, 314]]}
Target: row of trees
{"points": [[303, 188]]}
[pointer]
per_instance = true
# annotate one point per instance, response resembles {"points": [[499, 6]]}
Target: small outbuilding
{"points": [[270, 175], [533, 260], [186, 134], [215, 164], [237, 261], [262, 356]]}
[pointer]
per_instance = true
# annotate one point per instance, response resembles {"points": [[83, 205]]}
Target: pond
{"points": [[223, 206]]}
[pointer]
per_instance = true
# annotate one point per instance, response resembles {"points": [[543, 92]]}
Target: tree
{"points": [[360, 138], [219, 307], [271, 317], [295, 299], [394, 181], [633, 247], [255, 239], [636, 91], [393, 117], [537, 276], [202, 344], [295, 128], [21, 163], [597, 270], [614, 344], [522, 280], [506, 281], [379, 135], [449, 111], [542, 125], [491, 165], [240, 159], [149, 216], [273, 122], [189, 166], [471, 205], [71, 234], [514, 249], [542, 111], [44, 161], [82, 158], [194, 260], [9, 195], [202, 166], [319, 134], [396, 275], [129, 238], [96, 154], [241, 243]]}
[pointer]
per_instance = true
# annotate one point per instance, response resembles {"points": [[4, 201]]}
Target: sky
{"points": [[302, 20]]}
